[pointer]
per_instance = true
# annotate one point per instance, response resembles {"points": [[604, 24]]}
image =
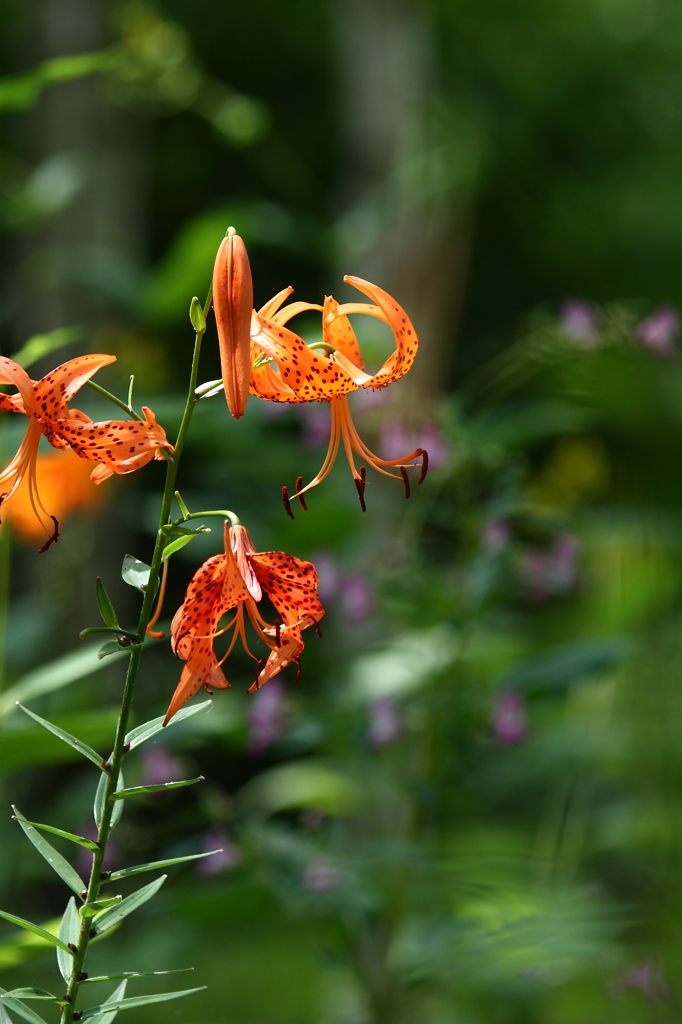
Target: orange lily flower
{"points": [[117, 446], [285, 369], [65, 487], [235, 582]]}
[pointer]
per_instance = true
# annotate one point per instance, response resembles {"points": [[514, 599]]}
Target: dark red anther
{"points": [[278, 633], [360, 487], [52, 539], [425, 465], [287, 503], [406, 481], [301, 499], [298, 673], [318, 631]]}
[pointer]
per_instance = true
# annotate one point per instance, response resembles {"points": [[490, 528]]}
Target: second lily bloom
{"points": [[283, 368]]}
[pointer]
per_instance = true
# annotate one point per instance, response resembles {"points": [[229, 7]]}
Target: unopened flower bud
{"points": [[233, 304], [196, 315]]}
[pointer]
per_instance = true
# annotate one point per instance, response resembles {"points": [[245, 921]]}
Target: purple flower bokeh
{"points": [[509, 721], [385, 724], [495, 535], [229, 857], [159, 767], [647, 978], [266, 716], [658, 331], [548, 573], [321, 875], [397, 441], [578, 319]]}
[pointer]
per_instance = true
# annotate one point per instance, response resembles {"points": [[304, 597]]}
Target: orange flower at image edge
{"points": [[235, 582], [117, 446], [65, 486]]}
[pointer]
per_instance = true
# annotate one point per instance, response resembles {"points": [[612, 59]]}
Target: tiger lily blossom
{"points": [[233, 304], [285, 369], [117, 446], [235, 581]]}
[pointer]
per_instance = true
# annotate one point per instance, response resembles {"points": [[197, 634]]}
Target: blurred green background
{"points": [[469, 808]]}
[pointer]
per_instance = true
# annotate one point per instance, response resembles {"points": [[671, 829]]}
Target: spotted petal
{"points": [[291, 585]]}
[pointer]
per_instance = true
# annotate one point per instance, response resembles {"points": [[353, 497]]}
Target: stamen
{"points": [[278, 627], [406, 480], [51, 540], [425, 465], [360, 487], [259, 662], [159, 605], [318, 631], [287, 503], [301, 499], [298, 674]]}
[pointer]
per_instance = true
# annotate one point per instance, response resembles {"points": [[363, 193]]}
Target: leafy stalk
{"points": [[108, 802]]}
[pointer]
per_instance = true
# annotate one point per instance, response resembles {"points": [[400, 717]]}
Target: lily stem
{"points": [[118, 753]]}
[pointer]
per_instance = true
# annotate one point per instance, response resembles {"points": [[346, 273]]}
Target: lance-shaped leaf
{"points": [[114, 916], [106, 608], [130, 1004], [135, 573], [69, 932], [22, 1011], [98, 807], [31, 993], [97, 906], [144, 732], [121, 794], [83, 748], [138, 869], [176, 545], [87, 843], [115, 997], [113, 647], [134, 974], [58, 863], [4, 1016], [35, 928]]}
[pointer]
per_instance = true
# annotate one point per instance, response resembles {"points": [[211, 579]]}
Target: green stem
{"points": [[117, 401], [119, 751]]}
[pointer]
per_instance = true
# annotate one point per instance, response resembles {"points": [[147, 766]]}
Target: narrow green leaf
{"points": [[129, 1004], [87, 843], [4, 1016], [115, 997], [97, 906], [105, 606], [53, 858], [135, 573], [41, 345], [176, 545], [140, 868], [117, 631], [98, 807], [69, 932], [83, 748], [110, 647], [121, 794], [144, 732], [35, 928], [135, 974], [114, 916], [23, 1011], [30, 993]]}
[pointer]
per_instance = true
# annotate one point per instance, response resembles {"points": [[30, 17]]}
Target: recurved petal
{"points": [[12, 373], [233, 303], [56, 389], [122, 445], [338, 332], [201, 669], [395, 316], [289, 650], [291, 585], [310, 374], [239, 545]]}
